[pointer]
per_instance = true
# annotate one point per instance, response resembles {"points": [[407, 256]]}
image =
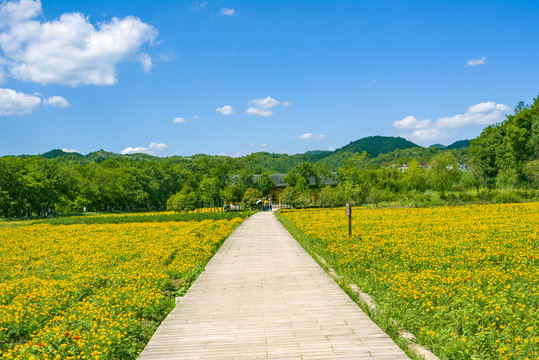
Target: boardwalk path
{"points": [[263, 297]]}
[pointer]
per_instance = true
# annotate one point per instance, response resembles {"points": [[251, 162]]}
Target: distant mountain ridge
{"points": [[387, 149]]}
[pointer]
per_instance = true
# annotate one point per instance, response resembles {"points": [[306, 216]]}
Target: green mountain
{"points": [[57, 153], [383, 150], [461, 144]]}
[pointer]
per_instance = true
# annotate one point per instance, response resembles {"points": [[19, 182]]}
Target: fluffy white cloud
{"points": [[227, 11], [68, 50], [485, 113], [258, 111], [196, 117], [158, 147], [145, 150], [69, 150], [410, 122], [225, 110], [475, 62], [427, 135], [17, 103], [179, 120], [287, 103], [426, 132], [135, 150], [56, 101], [265, 103]]}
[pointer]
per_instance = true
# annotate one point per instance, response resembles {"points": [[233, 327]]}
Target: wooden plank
{"points": [[262, 296]]}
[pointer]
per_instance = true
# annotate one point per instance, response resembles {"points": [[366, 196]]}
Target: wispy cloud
{"points": [[69, 150], [265, 103], [287, 103], [225, 110], [179, 120], [310, 136], [228, 11], [199, 5], [475, 62], [257, 111], [158, 146]]}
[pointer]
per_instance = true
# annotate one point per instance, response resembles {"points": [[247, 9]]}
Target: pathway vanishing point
{"points": [[263, 297]]}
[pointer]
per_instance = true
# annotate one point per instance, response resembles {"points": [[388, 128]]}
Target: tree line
{"points": [[502, 164]]}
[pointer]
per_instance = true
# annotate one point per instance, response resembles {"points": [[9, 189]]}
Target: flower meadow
{"points": [[464, 280], [96, 291]]}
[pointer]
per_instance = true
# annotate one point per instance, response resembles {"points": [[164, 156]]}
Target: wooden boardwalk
{"points": [[263, 297]]}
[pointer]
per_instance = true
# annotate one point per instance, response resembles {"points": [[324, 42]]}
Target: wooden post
{"points": [[349, 214]]}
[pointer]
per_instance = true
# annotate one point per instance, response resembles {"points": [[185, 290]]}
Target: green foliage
{"points": [[503, 150], [151, 217], [182, 202], [264, 184], [444, 172], [250, 198]]}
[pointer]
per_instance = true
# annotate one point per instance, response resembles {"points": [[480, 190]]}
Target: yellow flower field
{"points": [[95, 291], [464, 280]]}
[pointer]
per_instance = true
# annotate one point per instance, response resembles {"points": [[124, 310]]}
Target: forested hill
{"points": [[262, 161]]}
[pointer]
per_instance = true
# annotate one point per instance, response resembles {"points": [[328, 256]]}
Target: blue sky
{"points": [[235, 77]]}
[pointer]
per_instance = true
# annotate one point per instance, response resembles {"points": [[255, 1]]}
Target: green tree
{"points": [[250, 198], [444, 172], [264, 184]]}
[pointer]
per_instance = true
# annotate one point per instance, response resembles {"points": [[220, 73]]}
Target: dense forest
{"points": [[502, 164]]}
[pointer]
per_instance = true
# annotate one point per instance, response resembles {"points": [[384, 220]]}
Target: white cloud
{"points": [[306, 136], [196, 117], [287, 103], [225, 110], [227, 11], [17, 103], [264, 145], [410, 122], [309, 136], [168, 57], [331, 148], [251, 144], [145, 150], [258, 111], [485, 113], [158, 147], [56, 101], [265, 103], [426, 135], [222, 153], [68, 50], [179, 120], [425, 131], [146, 61], [69, 150], [475, 62], [135, 150]]}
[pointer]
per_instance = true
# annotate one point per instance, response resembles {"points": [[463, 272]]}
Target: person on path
{"points": [[266, 204]]}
